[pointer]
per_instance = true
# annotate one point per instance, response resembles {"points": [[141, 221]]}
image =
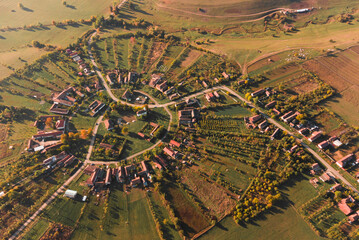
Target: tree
{"points": [[124, 130], [49, 122]]}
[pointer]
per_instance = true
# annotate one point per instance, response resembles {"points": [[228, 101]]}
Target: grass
{"points": [[128, 217], [37, 230], [285, 223], [281, 222], [35, 11], [64, 210], [234, 111]]}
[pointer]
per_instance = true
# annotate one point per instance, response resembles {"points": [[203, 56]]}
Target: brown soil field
{"points": [[264, 62], [192, 218], [215, 198], [302, 85], [155, 52], [193, 55], [341, 71]]}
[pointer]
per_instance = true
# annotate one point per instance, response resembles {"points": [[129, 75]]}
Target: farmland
{"points": [[340, 71]]}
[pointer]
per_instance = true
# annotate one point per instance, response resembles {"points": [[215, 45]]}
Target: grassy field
{"points": [[37, 230], [281, 222], [64, 210], [128, 217], [35, 11]]}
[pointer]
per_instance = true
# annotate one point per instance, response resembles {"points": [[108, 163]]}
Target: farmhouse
{"points": [[96, 106], [345, 160], [136, 182], [108, 176], [155, 78], [216, 94], [209, 97], [162, 87], [344, 207], [336, 187], [225, 75], [170, 152], [255, 118], [291, 117], [353, 218], [109, 124], [64, 98], [286, 115], [276, 112], [141, 135], [187, 116], [325, 177], [142, 112], [258, 92], [162, 161], [47, 135], [315, 136], [270, 105], [324, 145], [90, 169], [275, 134], [304, 131], [174, 143], [111, 77], [132, 77], [56, 109], [144, 167], [263, 125], [316, 168], [205, 85], [121, 174], [127, 95], [61, 124]]}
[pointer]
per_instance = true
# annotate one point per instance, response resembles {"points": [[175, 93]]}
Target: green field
{"points": [[37, 230], [64, 210], [281, 222], [128, 217]]}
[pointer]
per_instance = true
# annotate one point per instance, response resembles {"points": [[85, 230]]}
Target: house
{"points": [[121, 174], [91, 181], [170, 152], [169, 91], [216, 94], [324, 145], [141, 112], [315, 136], [109, 124], [325, 177], [70, 193], [271, 104], [316, 168], [275, 133], [157, 164], [144, 167], [286, 115], [127, 95], [263, 125], [276, 112], [60, 124], [56, 109], [162, 161], [132, 76], [187, 116], [64, 98], [141, 135], [209, 97], [258, 92], [225, 75], [353, 218], [255, 118], [46, 135], [292, 149], [155, 78], [304, 131], [136, 182], [336, 187], [344, 205], [345, 160], [162, 86], [111, 77], [108, 176], [205, 85], [129, 169], [95, 107], [90, 169], [291, 117], [174, 143]]}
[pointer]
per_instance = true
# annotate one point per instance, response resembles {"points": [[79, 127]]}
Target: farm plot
{"points": [[154, 53], [145, 45], [37, 230], [133, 52], [171, 53], [183, 61], [340, 71], [217, 199]]}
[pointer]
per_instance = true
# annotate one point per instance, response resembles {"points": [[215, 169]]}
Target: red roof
{"points": [[175, 143]]}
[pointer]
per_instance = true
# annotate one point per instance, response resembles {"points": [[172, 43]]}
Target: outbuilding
{"points": [[70, 193]]}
